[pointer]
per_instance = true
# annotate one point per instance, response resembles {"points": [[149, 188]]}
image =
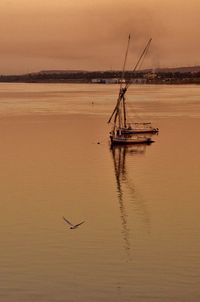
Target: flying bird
{"points": [[73, 226]]}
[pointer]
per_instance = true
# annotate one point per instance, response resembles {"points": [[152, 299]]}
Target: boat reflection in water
{"points": [[126, 189]]}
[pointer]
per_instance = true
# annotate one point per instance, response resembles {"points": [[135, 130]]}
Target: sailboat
{"points": [[122, 130]]}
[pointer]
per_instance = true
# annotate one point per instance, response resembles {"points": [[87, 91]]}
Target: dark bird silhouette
{"points": [[73, 226]]}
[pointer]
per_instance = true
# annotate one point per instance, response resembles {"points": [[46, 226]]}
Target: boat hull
{"points": [[116, 140], [135, 131]]}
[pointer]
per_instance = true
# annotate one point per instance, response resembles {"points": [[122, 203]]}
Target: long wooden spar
{"points": [[125, 59], [123, 90]]}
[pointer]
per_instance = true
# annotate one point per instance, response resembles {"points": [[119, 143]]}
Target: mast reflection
{"points": [[119, 153]]}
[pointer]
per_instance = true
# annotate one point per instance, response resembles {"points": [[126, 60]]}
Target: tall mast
{"points": [[123, 90], [141, 58], [125, 59], [121, 81], [123, 72]]}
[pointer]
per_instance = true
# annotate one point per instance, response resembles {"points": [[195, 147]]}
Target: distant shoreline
{"points": [[178, 76]]}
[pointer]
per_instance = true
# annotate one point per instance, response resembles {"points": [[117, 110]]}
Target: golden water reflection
{"points": [[124, 183]]}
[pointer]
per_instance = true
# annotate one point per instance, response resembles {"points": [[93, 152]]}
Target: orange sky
{"points": [[92, 34]]}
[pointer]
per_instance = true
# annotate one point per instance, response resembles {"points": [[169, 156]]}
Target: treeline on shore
{"points": [[99, 77]]}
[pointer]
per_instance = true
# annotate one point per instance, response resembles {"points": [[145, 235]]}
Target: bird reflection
{"points": [[119, 154]]}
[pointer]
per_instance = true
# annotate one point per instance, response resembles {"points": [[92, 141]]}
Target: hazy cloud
{"points": [[86, 34]]}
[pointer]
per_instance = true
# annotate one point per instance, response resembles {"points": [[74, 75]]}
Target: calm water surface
{"points": [[140, 241]]}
